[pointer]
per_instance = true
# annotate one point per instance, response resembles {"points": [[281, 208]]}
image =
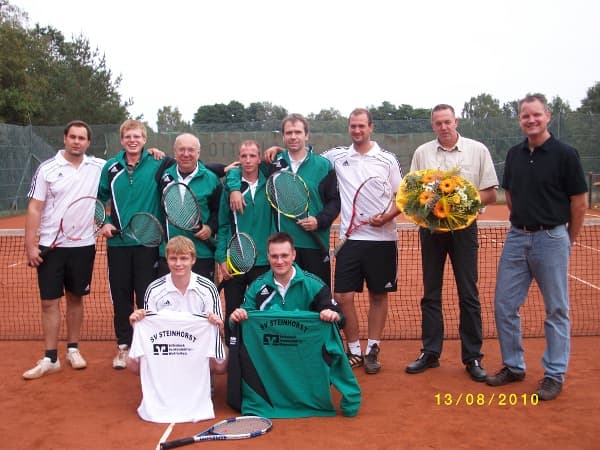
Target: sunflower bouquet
{"points": [[438, 200]]}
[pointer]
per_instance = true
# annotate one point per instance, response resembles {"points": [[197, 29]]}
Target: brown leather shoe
{"points": [[504, 376]]}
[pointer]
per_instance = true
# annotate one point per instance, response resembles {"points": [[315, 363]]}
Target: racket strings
{"points": [[181, 208], [241, 426], [242, 252], [372, 198], [288, 194], [146, 229], [83, 218]]}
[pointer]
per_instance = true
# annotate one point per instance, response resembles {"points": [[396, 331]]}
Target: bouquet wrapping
{"points": [[439, 200]]}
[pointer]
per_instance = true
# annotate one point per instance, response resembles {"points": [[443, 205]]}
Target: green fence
{"points": [[23, 148]]}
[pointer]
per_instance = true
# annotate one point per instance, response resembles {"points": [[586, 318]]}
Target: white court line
{"points": [[587, 247], [587, 283], [165, 435]]}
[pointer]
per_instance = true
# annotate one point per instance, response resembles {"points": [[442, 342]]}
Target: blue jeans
{"points": [[543, 256]]}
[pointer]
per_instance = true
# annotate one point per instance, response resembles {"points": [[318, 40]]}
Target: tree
{"points": [[511, 109], [481, 107], [326, 114], [591, 103], [48, 80], [170, 120], [262, 111], [558, 106]]}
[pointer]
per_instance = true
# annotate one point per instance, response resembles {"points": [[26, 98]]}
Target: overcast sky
{"points": [[315, 54]]}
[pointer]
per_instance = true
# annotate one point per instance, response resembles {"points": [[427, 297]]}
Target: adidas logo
{"points": [[264, 291], [388, 285], [345, 163], [167, 302]]}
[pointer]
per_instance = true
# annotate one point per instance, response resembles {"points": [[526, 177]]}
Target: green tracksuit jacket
{"points": [[284, 364]]}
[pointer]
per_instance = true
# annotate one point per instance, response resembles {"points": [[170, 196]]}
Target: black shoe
{"points": [[422, 363], [372, 360], [549, 389], [505, 376], [475, 370]]}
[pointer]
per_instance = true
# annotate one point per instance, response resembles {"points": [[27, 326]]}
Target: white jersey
{"points": [[200, 297], [352, 168], [57, 183], [174, 350]]}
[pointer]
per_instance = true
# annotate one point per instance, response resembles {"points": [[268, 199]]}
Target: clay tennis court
{"points": [[441, 408]]}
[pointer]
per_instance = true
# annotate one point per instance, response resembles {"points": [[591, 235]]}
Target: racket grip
{"points": [[177, 443]]}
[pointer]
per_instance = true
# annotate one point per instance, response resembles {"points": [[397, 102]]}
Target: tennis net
{"points": [[20, 305]]}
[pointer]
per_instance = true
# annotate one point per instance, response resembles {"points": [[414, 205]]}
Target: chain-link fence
{"points": [[23, 148]]}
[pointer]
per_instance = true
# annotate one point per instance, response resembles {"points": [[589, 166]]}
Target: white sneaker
{"points": [[75, 359], [43, 367], [120, 361]]}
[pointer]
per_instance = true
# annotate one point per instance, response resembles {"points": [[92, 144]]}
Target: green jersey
{"points": [[284, 363]]}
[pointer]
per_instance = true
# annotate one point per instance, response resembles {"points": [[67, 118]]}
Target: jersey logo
{"points": [[264, 295], [160, 349]]}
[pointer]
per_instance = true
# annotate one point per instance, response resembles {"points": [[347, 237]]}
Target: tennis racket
{"points": [[372, 198], [183, 209], [243, 427], [289, 195], [241, 254], [81, 220], [144, 228]]}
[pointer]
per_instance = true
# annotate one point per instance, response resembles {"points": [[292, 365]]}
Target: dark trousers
{"points": [[234, 289], [130, 271], [462, 247]]}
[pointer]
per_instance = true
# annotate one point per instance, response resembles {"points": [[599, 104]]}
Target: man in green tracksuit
{"points": [[324, 199], [205, 184], [256, 221], [285, 287], [125, 181]]}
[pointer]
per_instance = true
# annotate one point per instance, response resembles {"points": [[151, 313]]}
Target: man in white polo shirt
{"points": [[67, 269], [450, 150], [176, 341]]}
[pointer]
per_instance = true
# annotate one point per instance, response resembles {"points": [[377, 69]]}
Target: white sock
{"points": [[370, 344], [354, 348]]}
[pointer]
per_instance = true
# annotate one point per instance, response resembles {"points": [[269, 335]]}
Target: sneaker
{"points": [[548, 389], [120, 361], [355, 360], [372, 360], [76, 360], [42, 367], [505, 376]]}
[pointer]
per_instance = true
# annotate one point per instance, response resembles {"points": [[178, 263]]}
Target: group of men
{"points": [[545, 191]]}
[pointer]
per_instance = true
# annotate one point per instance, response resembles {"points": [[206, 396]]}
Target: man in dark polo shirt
{"points": [[546, 194]]}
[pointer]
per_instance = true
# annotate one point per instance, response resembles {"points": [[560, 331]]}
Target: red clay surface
{"points": [[96, 408]]}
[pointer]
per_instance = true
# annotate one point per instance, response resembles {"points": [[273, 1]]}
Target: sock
{"points": [[370, 344], [72, 346], [51, 354], [354, 348]]}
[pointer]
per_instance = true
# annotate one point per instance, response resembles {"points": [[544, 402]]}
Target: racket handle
{"points": [[211, 244], [177, 443]]}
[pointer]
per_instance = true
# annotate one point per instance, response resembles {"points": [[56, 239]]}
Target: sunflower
{"points": [[441, 209], [425, 197], [447, 185], [437, 200]]}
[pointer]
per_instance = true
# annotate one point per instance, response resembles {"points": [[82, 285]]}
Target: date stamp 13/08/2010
{"points": [[482, 399]]}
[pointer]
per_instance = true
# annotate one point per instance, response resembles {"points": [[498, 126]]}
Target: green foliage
{"points": [[327, 114], [235, 112], [170, 120], [48, 80], [591, 103], [481, 107], [389, 111]]}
